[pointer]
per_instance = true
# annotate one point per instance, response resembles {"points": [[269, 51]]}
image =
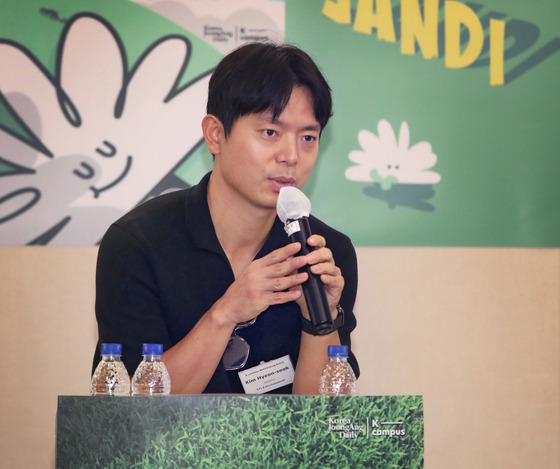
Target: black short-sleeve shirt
{"points": [[161, 267]]}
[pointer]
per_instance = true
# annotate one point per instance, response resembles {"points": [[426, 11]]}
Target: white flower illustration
{"points": [[101, 135], [387, 161]]}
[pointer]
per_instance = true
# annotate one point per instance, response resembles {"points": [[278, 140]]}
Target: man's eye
{"points": [[309, 138], [270, 132]]}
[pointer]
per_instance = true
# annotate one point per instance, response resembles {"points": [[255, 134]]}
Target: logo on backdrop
{"points": [[100, 136], [400, 175], [345, 428], [224, 24]]}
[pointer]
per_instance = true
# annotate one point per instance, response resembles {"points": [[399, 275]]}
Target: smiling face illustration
{"points": [[109, 151]]}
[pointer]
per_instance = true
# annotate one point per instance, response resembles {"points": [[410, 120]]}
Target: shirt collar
{"points": [[200, 227], [199, 222]]}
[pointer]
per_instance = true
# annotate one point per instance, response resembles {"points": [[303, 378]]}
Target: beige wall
{"points": [[476, 331]]}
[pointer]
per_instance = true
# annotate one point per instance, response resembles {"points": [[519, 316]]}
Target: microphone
{"points": [[293, 208]]}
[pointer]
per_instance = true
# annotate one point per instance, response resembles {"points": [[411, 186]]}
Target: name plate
{"points": [[268, 376]]}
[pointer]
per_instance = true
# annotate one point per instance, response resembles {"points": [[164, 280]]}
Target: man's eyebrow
{"points": [[267, 117], [314, 127]]}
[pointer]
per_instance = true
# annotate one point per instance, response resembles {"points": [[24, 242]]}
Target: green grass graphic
{"points": [[238, 431]]}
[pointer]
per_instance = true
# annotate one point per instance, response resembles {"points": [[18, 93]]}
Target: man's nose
{"points": [[289, 151]]}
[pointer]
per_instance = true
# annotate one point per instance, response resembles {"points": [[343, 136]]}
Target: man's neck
{"points": [[241, 228]]}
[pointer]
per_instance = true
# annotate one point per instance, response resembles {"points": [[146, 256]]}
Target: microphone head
{"points": [[292, 204]]}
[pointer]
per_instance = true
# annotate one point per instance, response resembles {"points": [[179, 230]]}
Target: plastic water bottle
{"points": [[151, 378], [110, 377], [338, 378]]}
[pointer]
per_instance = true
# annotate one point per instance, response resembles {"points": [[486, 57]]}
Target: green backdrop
{"points": [[470, 163], [496, 146]]}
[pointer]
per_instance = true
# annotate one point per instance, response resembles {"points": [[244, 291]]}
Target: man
{"points": [[199, 269]]}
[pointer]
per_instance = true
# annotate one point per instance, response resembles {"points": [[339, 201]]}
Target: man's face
{"points": [[261, 155]]}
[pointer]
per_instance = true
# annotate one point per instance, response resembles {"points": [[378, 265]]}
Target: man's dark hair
{"points": [[259, 77]]}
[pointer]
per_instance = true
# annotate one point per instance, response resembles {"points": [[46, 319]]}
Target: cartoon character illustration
{"points": [[100, 135], [389, 162]]}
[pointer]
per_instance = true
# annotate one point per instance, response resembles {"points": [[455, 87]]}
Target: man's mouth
{"points": [[283, 181]]}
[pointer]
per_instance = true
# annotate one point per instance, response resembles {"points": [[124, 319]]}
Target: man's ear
{"points": [[213, 132]]}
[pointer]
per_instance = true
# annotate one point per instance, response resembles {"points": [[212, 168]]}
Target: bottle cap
{"points": [[340, 351], [152, 349], [111, 349]]}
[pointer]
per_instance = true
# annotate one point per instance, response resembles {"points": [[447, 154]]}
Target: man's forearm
{"points": [[313, 357], [192, 362]]}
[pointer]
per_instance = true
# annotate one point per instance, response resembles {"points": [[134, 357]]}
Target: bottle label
{"points": [[268, 376]]}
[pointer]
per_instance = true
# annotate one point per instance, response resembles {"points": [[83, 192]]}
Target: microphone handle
{"points": [[313, 288]]}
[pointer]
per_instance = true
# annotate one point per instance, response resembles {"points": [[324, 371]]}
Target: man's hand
{"points": [[321, 262], [267, 281]]}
